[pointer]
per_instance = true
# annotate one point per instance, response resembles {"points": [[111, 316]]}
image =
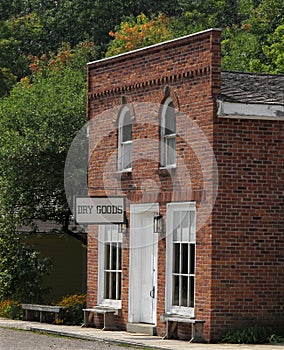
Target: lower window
{"points": [[110, 265], [181, 235]]}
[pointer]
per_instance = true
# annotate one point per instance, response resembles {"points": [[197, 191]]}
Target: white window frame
{"points": [[123, 146], [101, 266], [171, 209], [165, 139]]}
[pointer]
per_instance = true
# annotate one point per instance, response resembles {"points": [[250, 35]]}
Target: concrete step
{"points": [[143, 328]]}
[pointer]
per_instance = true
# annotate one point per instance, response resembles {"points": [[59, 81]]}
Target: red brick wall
{"points": [[248, 230], [190, 67]]}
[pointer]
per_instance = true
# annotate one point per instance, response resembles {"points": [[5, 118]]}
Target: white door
{"points": [[143, 266]]}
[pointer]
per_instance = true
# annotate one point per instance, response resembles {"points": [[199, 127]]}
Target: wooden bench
{"points": [[108, 313], [32, 309], [171, 327]]}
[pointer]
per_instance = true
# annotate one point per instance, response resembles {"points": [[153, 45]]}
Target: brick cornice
{"points": [[119, 89]]}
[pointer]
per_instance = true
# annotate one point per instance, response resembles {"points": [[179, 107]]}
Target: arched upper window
{"points": [[168, 135], [125, 140]]}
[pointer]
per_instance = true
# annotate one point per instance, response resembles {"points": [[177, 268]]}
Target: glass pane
{"points": [[127, 128], [192, 226], [192, 259], [107, 256], [191, 292], [170, 120], [106, 291], [185, 226], [176, 228], [184, 258], [119, 236], [108, 233], [113, 285], [126, 155], [119, 285], [170, 150], [176, 258], [119, 258], [114, 233], [175, 297], [113, 256], [184, 290]]}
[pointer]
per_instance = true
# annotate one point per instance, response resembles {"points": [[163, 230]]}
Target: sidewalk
{"points": [[120, 337]]}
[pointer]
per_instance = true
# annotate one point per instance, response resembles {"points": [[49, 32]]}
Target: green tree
{"points": [[134, 33], [19, 37], [38, 122], [21, 269]]}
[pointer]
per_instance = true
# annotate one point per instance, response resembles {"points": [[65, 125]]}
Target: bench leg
{"points": [[29, 315], [108, 321], [87, 318], [42, 316], [171, 330], [197, 333]]}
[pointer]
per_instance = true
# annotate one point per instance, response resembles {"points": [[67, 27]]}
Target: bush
{"points": [[73, 315], [250, 335], [11, 309]]}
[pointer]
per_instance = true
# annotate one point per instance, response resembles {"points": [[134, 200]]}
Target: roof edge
{"points": [[153, 46]]}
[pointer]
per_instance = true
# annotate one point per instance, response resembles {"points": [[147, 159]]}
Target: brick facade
{"points": [[239, 248]]}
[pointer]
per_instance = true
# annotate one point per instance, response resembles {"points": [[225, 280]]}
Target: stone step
{"points": [[142, 328]]}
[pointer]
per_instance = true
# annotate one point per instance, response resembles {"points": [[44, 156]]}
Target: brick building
{"points": [[198, 155]]}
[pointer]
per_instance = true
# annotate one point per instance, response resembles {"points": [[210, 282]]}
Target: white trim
{"points": [[153, 46], [238, 110]]}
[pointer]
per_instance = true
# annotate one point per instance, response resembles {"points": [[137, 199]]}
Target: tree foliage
{"points": [[21, 269], [135, 33], [38, 121]]}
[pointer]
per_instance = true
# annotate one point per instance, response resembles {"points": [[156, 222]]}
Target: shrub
{"points": [[249, 335], [73, 315], [11, 309]]}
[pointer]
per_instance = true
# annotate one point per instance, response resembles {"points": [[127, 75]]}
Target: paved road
{"points": [[22, 340]]}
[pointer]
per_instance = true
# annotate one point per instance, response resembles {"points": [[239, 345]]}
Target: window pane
{"points": [[185, 226], [106, 289], [170, 145], [126, 155], [113, 256], [127, 128], [184, 258], [192, 226], [192, 258], [176, 228], [176, 290], [191, 292], [113, 285], [107, 256], [176, 258], [170, 120], [119, 286], [184, 290], [108, 233], [119, 256]]}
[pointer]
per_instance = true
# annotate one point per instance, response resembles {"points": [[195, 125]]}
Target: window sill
{"points": [[129, 170], [167, 170]]}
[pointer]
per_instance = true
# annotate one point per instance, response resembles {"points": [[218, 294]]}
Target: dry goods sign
{"points": [[100, 210]]}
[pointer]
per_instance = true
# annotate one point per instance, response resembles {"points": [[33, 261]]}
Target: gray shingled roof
{"points": [[252, 88]]}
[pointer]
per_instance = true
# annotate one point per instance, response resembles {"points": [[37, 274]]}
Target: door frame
{"points": [[136, 209]]}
